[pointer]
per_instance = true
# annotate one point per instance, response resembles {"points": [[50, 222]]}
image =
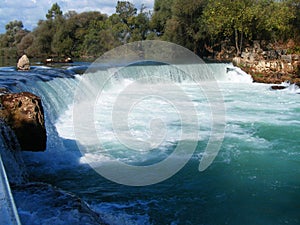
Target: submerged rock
{"points": [[39, 203], [23, 112], [278, 87], [23, 63]]}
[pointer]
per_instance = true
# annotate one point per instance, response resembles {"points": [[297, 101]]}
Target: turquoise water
{"points": [[254, 179]]}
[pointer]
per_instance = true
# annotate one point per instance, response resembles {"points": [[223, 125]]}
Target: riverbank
{"points": [[275, 65], [271, 71], [272, 66]]}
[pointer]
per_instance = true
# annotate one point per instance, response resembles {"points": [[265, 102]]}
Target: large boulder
{"points": [[23, 63], [23, 112]]}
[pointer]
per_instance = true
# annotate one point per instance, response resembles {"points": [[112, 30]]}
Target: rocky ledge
{"points": [[23, 112], [269, 66]]}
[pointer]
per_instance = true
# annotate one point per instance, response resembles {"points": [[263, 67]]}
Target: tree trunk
{"points": [[236, 34], [241, 43]]}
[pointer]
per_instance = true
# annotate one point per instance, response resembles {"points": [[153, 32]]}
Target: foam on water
{"points": [[40, 203], [256, 171], [236, 100], [229, 73]]}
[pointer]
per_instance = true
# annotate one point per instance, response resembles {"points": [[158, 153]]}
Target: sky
{"points": [[31, 11]]}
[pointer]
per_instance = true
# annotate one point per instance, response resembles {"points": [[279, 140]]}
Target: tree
{"points": [[162, 13], [125, 10], [78, 26], [195, 24], [13, 36], [25, 43], [92, 44], [246, 19], [139, 25], [62, 43], [184, 27], [228, 19], [294, 5], [12, 29], [43, 39], [275, 19], [122, 20], [44, 44], [54, 12]]}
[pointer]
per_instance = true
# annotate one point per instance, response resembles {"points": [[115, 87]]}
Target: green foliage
{"points": [[128, 24], [162, 13], [13, 36], [140, 25], [125, 10], [294, 50], [54, 12], [275, 19], [247, 19], [200, 25], [13, 27], [25, 43], [184, 27]]}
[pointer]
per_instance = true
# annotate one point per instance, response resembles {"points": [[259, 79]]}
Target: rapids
{"points": [[254, 178]]}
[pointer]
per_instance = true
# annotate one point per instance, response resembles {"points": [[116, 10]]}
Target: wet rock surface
{"points": [[23, 112]]}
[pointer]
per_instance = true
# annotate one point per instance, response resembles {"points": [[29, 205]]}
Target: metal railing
{"points": [[8, 211]]}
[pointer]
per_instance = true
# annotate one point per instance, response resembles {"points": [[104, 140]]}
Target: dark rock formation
{"points": [[23, 63], [23, 112], [277, 87]]}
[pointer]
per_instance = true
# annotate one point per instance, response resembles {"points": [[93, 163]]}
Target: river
{"points": [[253, 178]]}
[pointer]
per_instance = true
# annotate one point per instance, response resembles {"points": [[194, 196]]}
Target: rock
{"points": [[23, 112], [284, 51], [23, 63], [252, 57], [272, 55], [279, 52], [278, 87], [295, 57], [236, 61], [3, 91], [261, 65], [68, 60], [256, 46], [52, 61], [49, 60], [286, 58]]}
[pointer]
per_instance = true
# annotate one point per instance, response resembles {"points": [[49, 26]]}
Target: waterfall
{"points": [[171, 73], [258, 149], [57, 87], [10, 170], [11, 153]]}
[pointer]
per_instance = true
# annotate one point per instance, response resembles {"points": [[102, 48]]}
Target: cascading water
{"points": [[253, 178]]}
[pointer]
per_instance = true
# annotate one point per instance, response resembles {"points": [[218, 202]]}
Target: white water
{"points": [[259, 149], [146, 110]]}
